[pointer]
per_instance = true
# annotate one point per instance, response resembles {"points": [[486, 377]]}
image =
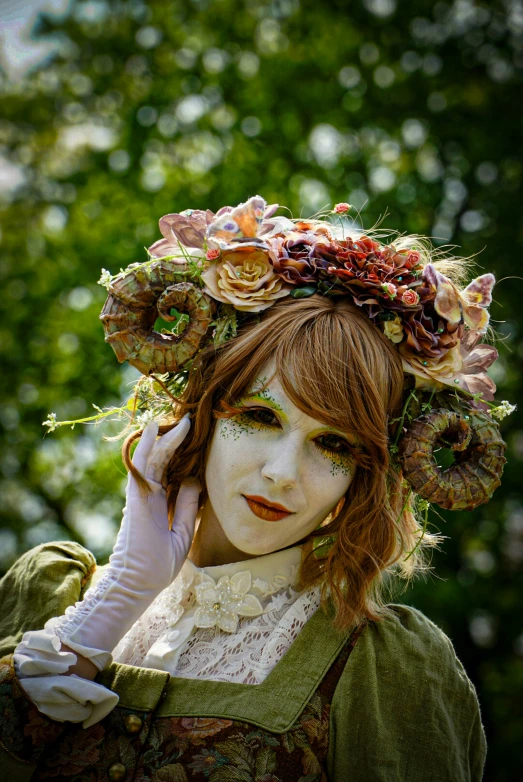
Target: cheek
{"points": [[232, 452], [329, 478]]}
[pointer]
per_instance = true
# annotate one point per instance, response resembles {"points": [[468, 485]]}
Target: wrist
{"points": [[83, 666]]}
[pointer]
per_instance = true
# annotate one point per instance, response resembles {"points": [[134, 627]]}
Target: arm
{"points": [[147, 556]]}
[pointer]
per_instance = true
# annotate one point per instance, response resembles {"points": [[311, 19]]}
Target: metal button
{"points": [[117, 772], [133, 723]]}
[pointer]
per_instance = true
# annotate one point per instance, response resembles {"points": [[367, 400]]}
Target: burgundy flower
{"points": [[291, 257]]}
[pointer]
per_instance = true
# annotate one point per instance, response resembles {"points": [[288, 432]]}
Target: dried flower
{"points": [[292, 256], [410, 298], [212, 254], [502, 410], [244, 277], [393, 330], [463, 366], [342, 208]]}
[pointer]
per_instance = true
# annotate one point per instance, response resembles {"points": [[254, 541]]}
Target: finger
{"points": [[164, 448], [185, 512], [145, 445]]}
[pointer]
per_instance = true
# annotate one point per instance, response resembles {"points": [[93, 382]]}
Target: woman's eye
{"points": [[261, 415], [333, 443]]}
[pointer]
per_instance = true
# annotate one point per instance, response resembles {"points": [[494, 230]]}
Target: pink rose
{"points": [[410, 297], [390, 289], [341, 208], [211, 255]]}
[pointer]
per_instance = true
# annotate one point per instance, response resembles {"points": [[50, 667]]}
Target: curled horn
{"points": [[478, 458], [136, 299]]}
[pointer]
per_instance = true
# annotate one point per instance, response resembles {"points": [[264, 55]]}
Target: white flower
{"points": [[221, 604], [144, 418], [501, 411], [51, 422], [105, 279]]}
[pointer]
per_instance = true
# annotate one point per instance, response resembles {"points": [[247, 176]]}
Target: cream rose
{"points": [[393, 330], [432, 372], [245, 278]]}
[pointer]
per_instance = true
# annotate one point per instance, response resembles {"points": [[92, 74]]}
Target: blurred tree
{"points": [[149, 108]]}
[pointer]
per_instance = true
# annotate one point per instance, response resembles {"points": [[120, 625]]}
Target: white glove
{"points": [[146, 558]]}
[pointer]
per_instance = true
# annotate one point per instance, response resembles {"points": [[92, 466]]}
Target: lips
{"points": [[268, 511]]}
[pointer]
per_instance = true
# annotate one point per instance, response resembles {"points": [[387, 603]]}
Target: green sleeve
{"points": [[40, 585], [404, 709]]}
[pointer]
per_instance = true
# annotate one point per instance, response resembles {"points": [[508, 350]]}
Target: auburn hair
{"points": [[339, 368]]}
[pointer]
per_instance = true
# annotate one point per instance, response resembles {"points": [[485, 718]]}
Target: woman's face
{"points": [[273, 473]]}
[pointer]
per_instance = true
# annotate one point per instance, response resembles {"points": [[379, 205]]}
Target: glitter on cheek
{"points": [[234, 428], [341, 462]]}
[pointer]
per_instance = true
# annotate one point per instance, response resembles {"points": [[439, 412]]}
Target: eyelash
{"points": [[253, 414]]}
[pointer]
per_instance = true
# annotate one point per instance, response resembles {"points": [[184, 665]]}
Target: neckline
{"points": [[274, 704]]}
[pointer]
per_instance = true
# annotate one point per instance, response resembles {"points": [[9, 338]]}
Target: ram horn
{"points": [[479, 458], [141, 295]]}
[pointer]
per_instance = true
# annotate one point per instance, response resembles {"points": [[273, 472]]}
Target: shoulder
{"points": [[405, 630], [56, 555], [403, 675], [409, 651], [41, 584]]}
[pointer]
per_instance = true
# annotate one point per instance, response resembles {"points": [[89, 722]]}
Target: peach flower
{"points": [[410, 298], [245, 278]]}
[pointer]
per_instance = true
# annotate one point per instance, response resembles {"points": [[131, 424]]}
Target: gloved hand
{"points": [[146, 558]]}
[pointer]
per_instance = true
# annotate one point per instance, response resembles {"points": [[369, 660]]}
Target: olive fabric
{"points": [[40, 585], [402, 708]]}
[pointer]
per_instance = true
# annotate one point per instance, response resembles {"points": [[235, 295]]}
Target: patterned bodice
{"points": [[133, 746]]}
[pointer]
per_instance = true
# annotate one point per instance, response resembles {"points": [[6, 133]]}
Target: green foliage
{"points": [[153, 108]]}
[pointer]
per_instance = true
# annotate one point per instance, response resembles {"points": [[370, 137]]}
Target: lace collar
{"points": [[268, 573], [227, 623]]}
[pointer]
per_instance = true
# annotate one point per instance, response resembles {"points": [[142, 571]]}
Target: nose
{"points": [[282, 463]]}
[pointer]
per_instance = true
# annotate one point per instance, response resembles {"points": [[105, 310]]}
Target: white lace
{"points": [[258, 644], [167, 636]]}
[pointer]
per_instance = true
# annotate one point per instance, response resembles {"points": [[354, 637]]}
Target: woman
{"points": [[239, 631]]}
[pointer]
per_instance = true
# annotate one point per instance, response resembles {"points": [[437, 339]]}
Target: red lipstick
{"points": [[266, 510]]}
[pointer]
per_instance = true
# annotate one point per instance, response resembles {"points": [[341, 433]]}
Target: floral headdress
{"points": [[218, 271]]}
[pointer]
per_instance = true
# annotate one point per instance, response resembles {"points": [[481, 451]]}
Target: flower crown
{"points": [[247, 259], [217, 271]]}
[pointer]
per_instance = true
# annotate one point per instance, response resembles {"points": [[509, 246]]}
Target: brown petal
{"points": [[190, 231], [480, 359]]}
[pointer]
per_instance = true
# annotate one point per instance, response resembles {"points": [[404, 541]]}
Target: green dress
{"points": [[383, 702]]}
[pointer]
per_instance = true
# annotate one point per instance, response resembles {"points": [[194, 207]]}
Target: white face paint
{"points": [[273, 453]]}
